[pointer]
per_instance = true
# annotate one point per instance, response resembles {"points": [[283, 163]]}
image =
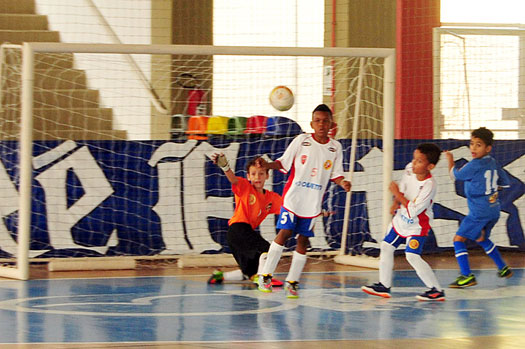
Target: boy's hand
{"points": [[326, 213], [394, 188], [450, 160], [261, 162], [449, 155], [346, 185], [394, 207], [221, 161]]}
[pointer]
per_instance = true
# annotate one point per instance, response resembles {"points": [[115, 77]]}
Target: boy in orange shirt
{"points": [[252, 204]]}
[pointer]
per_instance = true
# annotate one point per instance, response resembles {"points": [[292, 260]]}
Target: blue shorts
{"points": [[414, 244], [471, 227], [303, 226]]}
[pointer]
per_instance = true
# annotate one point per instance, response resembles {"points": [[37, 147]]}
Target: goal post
{"points": [[145, 187]]}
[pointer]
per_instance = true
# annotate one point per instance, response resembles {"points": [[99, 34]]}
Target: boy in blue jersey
{"points": [[483, 177]]}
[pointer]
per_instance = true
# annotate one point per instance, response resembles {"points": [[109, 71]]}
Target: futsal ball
{"points": [[281, 98]]}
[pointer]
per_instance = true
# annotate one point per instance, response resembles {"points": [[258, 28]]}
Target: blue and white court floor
{"points": [[184, 309]]}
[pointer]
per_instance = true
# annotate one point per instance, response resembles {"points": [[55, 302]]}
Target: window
{"points": [[241, 85]]}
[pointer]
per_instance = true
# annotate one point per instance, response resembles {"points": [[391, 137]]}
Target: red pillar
{"points": [[415, 20]]}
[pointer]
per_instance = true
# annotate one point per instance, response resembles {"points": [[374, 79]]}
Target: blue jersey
{"points": [[482, 178]]}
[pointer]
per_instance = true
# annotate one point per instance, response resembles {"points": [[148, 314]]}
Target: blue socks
{"points": [[492, 251], [460, 249]]}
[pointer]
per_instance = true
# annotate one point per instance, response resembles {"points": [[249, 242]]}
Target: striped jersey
{"points": [[310, 165], [414, 219]]}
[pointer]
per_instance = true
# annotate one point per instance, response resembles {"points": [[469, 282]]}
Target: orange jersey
{"points": [[251, 206]]}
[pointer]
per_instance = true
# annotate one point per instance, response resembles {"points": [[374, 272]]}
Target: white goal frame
{"points": [[21, 270]]}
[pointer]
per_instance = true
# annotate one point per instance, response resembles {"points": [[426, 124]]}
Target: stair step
{"points": [[17, 6], [20, 36], [66, 98], [81, 135], [83, 118], [22, 21], [60, 79], [53, 60], [52, 120]]}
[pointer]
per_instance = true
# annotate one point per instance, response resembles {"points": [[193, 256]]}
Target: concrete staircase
{"points": [[64, 108]]}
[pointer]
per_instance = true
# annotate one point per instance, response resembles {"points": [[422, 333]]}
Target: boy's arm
{"points": [[399, 197], [450, 159], [275, 165], [394, 207], [221, 161]]}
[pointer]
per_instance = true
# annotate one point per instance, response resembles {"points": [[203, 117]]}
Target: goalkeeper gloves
{"points": [[222, 162]]}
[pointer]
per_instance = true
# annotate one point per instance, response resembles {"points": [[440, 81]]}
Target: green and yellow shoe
{"points": [[506, 272], [216, 278], [463, 281]]}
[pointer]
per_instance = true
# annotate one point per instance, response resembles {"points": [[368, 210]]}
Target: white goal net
{"points": [[105, 148]]}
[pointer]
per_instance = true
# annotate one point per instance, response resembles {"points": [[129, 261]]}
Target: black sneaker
{"points": [[432, 295], [506, 272], [377, 290]]}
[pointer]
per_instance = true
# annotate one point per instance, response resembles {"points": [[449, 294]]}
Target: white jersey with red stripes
{"points": [[414, 219], [310, 165]]}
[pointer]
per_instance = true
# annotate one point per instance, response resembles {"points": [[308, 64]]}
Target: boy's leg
{"points": [[386, 256], [298, 261], [304, 228], [234, 275], [286, 223], [274, 255], [386, 264], [461, 253], [423, 270], [468, 229], [257, 252], [262, 260], [244, 244], [492, 251]]}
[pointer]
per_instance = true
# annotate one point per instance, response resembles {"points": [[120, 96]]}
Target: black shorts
{"points": [[246, 245]]}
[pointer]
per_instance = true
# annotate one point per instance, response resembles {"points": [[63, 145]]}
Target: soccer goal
{"points": [[105, 148]]}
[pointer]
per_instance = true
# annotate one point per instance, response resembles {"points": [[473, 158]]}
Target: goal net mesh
{"points": [[122, 144]]}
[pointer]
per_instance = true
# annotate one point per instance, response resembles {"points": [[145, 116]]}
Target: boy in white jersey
{"points": [[311, 161], [412, 206]]}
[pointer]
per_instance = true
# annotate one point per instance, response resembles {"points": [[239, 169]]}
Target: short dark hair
{"points": [[431, 151], [253, 162], [484, 134], [324, 108]]}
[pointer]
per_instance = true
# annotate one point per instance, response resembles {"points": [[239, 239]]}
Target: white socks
{"points": [[296, 269], [423, 270], [386, 264], [234, 275], [262, 260], [272, 259], [386, 267]]}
